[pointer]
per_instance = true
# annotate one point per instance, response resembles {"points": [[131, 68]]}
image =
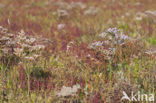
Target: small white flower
{"points": [[36, 56], [1, 27], [60, 26], [88, 55], [91, 11], [69, 45], [103, 34], [122, 16], [62, 13], [96, 44], [30, 41], [4, 38], [68, 91], [138, 18], [25, 46], [100, 75], [21, 36], [29, 58], [10, 35], [127, 14]]}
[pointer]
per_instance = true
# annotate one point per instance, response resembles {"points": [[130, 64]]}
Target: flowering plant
{"points": [[16, 48]]}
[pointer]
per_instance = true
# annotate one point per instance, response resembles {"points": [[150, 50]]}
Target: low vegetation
{"points": [[68, 51]]}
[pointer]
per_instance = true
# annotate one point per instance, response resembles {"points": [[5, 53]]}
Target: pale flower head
{"points": [[21, 46], [96, 44], [151, 15], [38, 47], [25, 45], [6, 50], [18, 51], [10, 35], [60, 26], [103, 34], [68, 91], [22, 33], [91, 11], [4, 30], [36, 56], [148, 12], [29, 58], [21, 36], [62, 13], [4, 38], [30, 40]]}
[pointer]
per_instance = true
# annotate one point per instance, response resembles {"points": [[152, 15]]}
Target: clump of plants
{"points": [[25, 51], [18, 48], [114, 45]]}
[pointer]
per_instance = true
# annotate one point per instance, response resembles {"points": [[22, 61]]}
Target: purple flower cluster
{"points": [[113, 31]]}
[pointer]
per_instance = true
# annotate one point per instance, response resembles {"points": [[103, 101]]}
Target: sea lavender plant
{"points": [[111, 38], [21, 46], [113, 31], [114, 35]]}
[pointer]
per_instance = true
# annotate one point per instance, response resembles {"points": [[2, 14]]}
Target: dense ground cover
{"points": [[77, 51]]}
